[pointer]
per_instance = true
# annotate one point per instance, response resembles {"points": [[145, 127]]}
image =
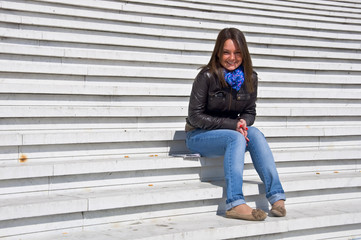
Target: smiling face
{"points": [[231, 58]]}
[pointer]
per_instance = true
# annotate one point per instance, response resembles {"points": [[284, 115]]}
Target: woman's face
{"points": [[231, 58]]}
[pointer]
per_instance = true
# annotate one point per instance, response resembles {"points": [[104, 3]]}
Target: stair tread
{"points": [[212, 226], [32, 169], [100, 198]]}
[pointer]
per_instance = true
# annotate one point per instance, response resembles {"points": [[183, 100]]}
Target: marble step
{"points": [[321, 220], [66, 210], [66, 201], [297, 159], [49, 137]]}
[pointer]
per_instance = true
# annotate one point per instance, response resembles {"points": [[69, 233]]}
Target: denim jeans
{"points": [[232, 145]]}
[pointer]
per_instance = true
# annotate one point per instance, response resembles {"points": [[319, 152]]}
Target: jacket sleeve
{"points": [[197, 115], [249, 112]]}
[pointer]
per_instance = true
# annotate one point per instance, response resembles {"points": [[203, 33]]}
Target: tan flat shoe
{"points": [[257, 215], [278, 211]]}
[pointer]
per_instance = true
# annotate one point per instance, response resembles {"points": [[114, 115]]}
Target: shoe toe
{"points": [[278, 211], [259, 214]]}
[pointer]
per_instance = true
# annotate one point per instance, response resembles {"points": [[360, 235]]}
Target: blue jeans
{"points": [[232, 145]]}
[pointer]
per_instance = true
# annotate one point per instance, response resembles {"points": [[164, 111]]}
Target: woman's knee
{"points": [[254, 132], [237, 137]]}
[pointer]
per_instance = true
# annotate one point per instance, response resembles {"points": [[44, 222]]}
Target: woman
{"points": [[222, 108]]}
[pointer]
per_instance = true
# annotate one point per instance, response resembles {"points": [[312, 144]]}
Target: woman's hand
{"points": [[242, 128]]}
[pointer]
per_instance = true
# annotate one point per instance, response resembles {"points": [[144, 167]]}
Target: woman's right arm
{"points": [[197, 115]]}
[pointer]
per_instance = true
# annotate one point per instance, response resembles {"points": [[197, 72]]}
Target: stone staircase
{"points": [[93, 96]]}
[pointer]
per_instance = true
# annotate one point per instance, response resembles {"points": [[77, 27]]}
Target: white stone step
{"points": [[85, 37], [64, 201], [341, 218], [161, 91], [188, 72], [301, 148], [96, 70], [308, 78], [89, 165], [322, 7], [180, 33], [46, 137], [39, 177], [26, 124], [209, 15], [276, 8], [184, 22], [121, 55], [165, 111]]}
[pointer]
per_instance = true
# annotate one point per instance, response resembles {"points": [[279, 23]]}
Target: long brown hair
{"points": [[214, 63]]}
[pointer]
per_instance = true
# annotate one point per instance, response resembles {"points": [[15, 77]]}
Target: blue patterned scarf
{"points": [[234, 78]]}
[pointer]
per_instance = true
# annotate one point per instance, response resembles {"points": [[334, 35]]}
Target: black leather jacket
{"points": [[212, 106]]}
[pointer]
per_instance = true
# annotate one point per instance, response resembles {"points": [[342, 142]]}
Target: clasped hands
{"points": [[242, 128]]}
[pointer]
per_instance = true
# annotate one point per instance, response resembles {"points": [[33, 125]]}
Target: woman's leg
{"points": [[264, 164], [231, 144]]}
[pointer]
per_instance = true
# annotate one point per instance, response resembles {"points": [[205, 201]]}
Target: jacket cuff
{"points": [[230, 123], [249, 119]]}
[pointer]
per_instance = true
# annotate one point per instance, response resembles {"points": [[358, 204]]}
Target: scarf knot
{"points": [[234, 78]]}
